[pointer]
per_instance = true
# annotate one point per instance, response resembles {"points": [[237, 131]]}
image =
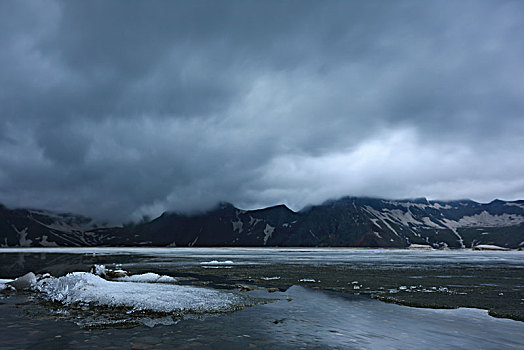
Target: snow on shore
{"points": [[489, 247]]}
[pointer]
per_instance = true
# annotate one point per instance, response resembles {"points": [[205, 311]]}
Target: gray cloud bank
{"points": [[119, 109]]}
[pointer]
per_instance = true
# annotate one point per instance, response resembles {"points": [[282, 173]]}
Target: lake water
{"points": [[297, 317]]}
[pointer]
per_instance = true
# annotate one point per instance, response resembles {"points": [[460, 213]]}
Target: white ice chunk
{"points": [[99, 270], [216, 262], [84, 287], [149, 277], [24, 282], [4, 284], [306, 280]]}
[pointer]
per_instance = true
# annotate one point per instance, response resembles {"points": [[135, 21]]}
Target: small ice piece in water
{"points": [[270, 278], [354, 282], [102, 271], [149, 277], [216, 262], [163, 321], [99, 270], [166, 279], [307, 280], [402, 288], [4, 284], [24, 282], [217, 267], [45, 275], [356, 287]]}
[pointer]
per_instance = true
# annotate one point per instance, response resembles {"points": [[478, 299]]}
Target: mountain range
{"points": [[346, 222]]}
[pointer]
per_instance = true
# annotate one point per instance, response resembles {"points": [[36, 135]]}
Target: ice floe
{"points": [[87, 288], [216, 262], [150, 299]]}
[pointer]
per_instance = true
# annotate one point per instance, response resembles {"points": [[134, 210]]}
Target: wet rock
{"points": [[116, 273], [99, 270], [279, 321], [104, 272], [244, 287]]}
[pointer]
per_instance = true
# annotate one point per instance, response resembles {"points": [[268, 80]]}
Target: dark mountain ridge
{"points": [[345, 222]]}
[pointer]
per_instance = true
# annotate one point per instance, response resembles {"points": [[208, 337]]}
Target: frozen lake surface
{"points": [[296, 317], [312, 256]]}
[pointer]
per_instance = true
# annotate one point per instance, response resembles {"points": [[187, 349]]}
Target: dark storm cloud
{"points": [[118, 109]]}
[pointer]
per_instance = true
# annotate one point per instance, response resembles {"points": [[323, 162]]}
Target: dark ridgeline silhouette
{"points": [[346, 222]]}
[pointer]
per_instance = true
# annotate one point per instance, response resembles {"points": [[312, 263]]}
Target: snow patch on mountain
{"points": [[453, 226], [45, 243], [485, 219], [194, 241], [404, 218], [268, 232], [375, 222], [23, 241], [422, 206], [381, 216], [253, 221], [429, 223], [238, 225]]}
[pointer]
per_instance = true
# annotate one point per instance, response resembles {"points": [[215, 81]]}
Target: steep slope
{"points": [[223, 226], [383, 223], [38, 228], [349, 221]]}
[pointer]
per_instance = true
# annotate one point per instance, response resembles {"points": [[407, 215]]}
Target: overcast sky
{"points": [[119, 109]]}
